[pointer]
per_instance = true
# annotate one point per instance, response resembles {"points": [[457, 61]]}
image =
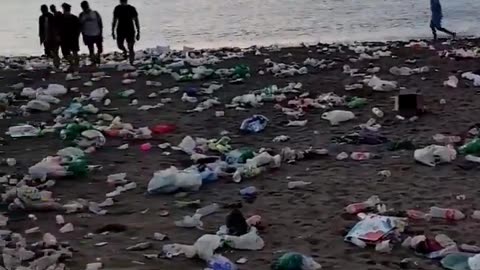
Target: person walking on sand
{"points": [[48, 34], [436, 22], [92, 30], [69, 36], [125, 22]]}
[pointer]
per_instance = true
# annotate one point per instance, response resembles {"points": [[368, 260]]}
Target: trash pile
{"points": [[386, 229]]}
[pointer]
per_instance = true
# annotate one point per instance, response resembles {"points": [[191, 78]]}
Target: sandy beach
{"points": [[311, 220]]}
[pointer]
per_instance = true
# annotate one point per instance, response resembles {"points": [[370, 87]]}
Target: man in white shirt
{"points": [[92, 30]]}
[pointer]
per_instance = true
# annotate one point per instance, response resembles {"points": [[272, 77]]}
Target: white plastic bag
{"points": [[55, 90], [98, 94], [188, 145], [38, 105], [249, 241], [171, 180], [378, 84], [433, 154], [337, 116], [451, 82]]}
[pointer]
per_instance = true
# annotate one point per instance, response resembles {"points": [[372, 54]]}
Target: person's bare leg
{"points": [[91, 52], [99, 52], [76, 58], [56, 59], [121, 46], [434, 32], [453, 34], [131, 52]]}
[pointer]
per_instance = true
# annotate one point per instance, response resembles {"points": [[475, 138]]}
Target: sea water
{"points": [[216, 23]]}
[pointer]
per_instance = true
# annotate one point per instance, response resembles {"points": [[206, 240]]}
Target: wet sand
{"points": [[310, 220]]}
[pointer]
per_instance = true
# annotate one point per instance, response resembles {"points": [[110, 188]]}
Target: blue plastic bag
{"points": [[254, 124], [219, 262]]}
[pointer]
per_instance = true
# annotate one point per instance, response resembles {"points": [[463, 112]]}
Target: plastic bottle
{"points": [[377, 112], [163, 129], [472, 158], [190, 222], [74, 130], [440, 138], [355, 208], [357, 102], [472, 147], [208, 210], [248, 191], [298, 184], [446, 213], [78, 167], [146, 147], [476, 214], [126, 93], [239, 156], [359, 156], [295, 261], [208, 176], [418, 215], [23, 131], [241, 71]]}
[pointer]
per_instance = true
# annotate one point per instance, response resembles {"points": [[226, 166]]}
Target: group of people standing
{"points": [[61, 30]]}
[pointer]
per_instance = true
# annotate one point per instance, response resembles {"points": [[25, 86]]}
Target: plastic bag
{"points": [[254, 124], [249, 241], [54, 90], [188, 145], [171, 180], [378, 84], [434, 154], [337, 116], [49, 166], [38, 105], [219, 262], [98, 94]]}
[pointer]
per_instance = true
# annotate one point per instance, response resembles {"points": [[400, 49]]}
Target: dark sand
{"points": [[312, 220]]}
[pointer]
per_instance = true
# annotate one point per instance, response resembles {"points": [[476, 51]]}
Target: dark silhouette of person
{"points": [[69, 35], [436, 22], [125, 24], [48, 33], [92, 30]]}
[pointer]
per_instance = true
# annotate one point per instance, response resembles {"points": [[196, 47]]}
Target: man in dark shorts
{"points": [[69, 35], [92, 30], [48, 33], [125, 22]]}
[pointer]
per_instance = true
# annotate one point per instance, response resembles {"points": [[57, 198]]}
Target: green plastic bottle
{"points": [[295, 261], [78, 167], [472, 147], [239, 156], [72, 131], [357, 102], [241, 71]]}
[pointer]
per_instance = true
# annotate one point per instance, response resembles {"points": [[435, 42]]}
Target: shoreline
{"points": [[292, 44]]}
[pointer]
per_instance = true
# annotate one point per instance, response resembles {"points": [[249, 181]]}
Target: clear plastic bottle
{"points": [[418, 215], [355, 208], [359, 156], [23, 131], [446, 213], [476, 214], [377, 112], [208, 210]]}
